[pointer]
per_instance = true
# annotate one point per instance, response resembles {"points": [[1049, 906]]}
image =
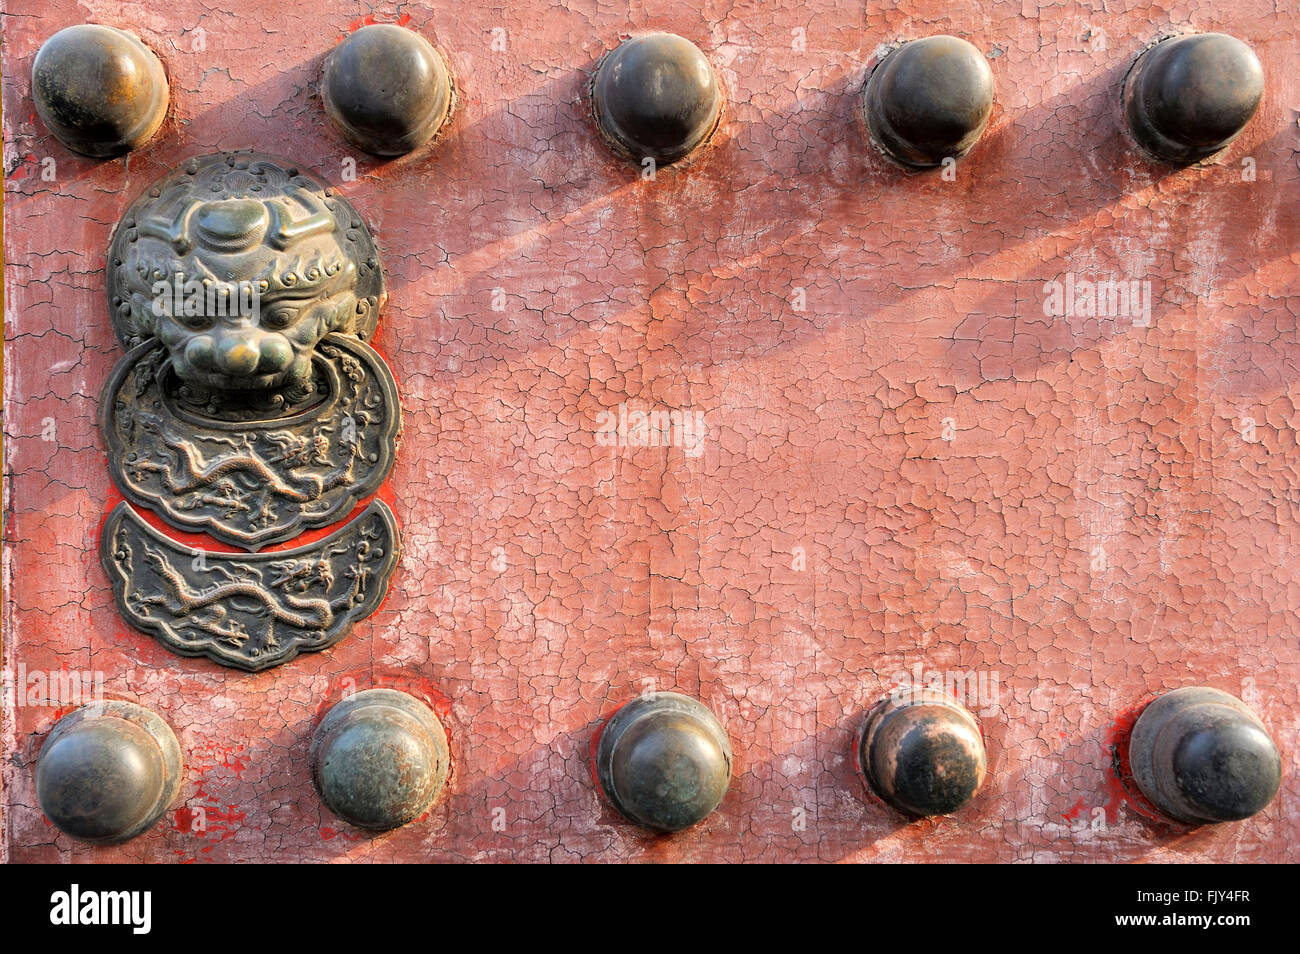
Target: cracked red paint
{"points": [[917, 466]]}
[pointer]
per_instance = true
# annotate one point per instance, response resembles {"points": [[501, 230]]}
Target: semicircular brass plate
{"points": [[249, 611]]}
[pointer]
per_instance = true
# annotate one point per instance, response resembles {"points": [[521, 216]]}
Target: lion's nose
{"points": [[241, 352], [238, 355]]}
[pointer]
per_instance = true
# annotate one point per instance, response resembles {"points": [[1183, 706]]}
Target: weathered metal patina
{"points": [[1201, 756], [386, 89], [99, 89], [664, 761], [108, 771], [379, 759], [923, 752], [656, 97], [1187, 97], [240, 263], [248, 406], [929, 100], [249, 611], [259, 470]]}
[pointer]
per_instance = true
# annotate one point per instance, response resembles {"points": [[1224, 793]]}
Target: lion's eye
{"points": [[280, 317], [197, 322]]}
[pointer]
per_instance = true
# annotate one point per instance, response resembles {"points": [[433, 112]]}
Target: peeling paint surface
{"points": [[885, 462]]}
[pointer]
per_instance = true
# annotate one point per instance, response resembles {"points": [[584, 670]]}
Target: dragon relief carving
{"points": [[250, 611]]}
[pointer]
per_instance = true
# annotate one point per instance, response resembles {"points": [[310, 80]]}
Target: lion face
{"points": [[268, 347], [258, 332], [241, 280]]}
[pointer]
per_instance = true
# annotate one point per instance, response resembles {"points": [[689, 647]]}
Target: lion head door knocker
{"points": [[248, 407]]}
